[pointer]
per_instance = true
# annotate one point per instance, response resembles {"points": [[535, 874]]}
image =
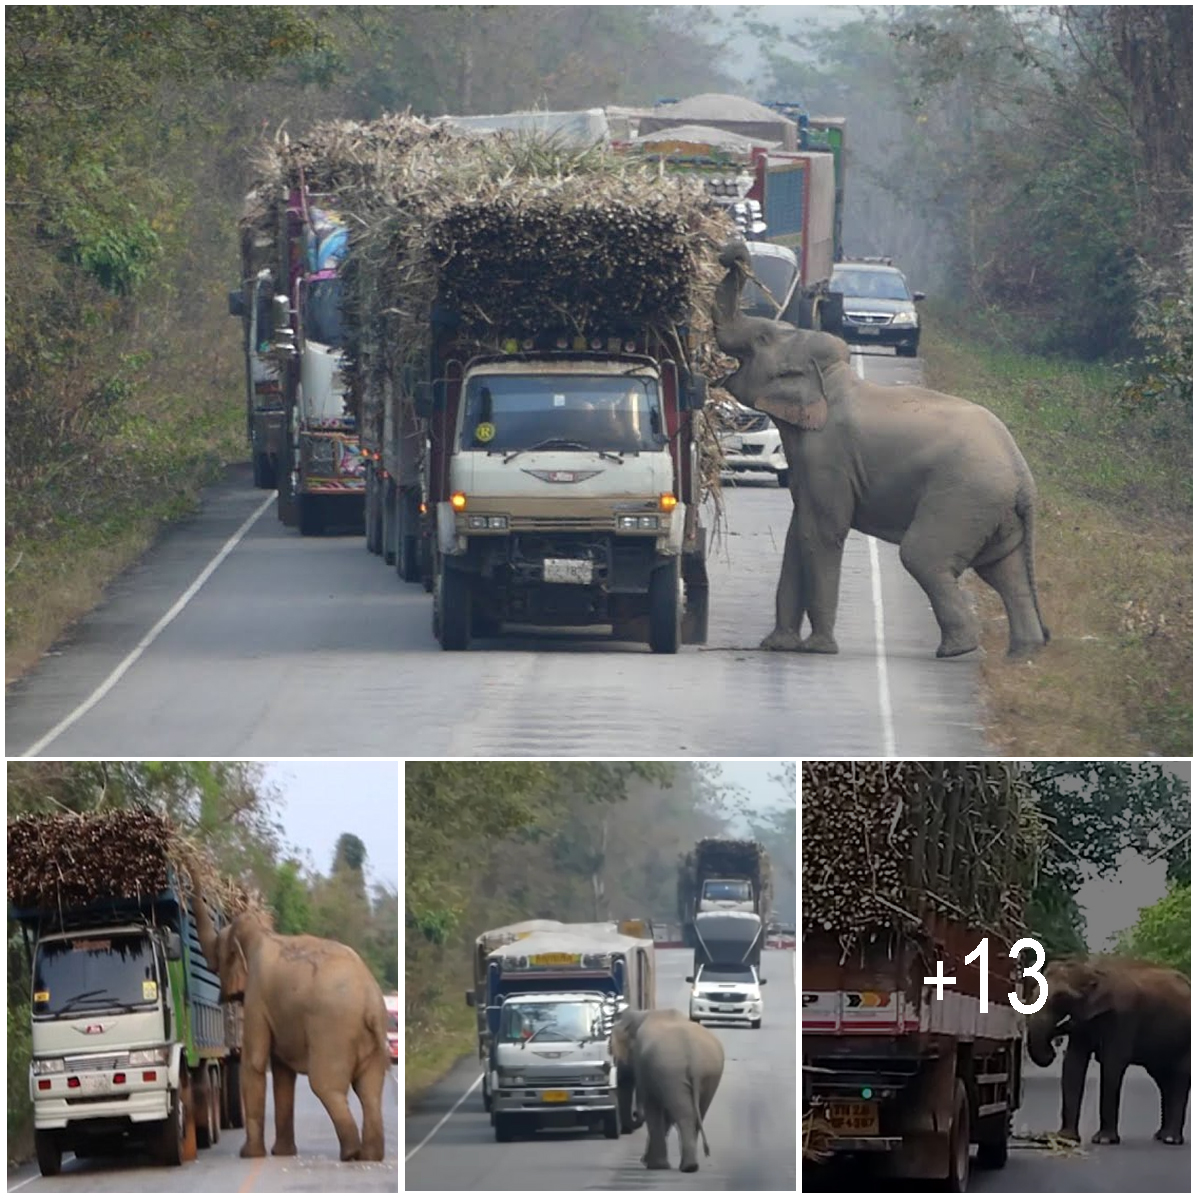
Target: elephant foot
{"points": [[656, 1165], [819, 643], [1170, 1139], [688, 1168], [1024, 649], [952, 647], [1105, 1138], [781, 639], [283, 1149], [1068, 1135], [250, 1150]]}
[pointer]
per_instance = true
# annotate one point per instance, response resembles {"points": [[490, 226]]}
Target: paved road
{"points": [[1138, 1164], [311, 646], [219, 1169], [751, 1125]]}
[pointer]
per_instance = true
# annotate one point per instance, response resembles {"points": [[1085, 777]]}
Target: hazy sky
{"points": [[754, 778], [319, 801]]}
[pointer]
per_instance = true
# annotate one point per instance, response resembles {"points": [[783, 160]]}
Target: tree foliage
{"points": [[1163, 933]]}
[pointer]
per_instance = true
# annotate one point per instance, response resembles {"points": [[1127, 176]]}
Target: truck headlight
{"points": [[632, 521], [48, 1066], [158, 1057], [477, 521], [510, 1078], [904, 318]]}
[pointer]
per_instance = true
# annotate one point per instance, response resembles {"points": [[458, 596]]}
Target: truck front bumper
{"points": [[529, 1100], [147, 1102], [711, 1010]]}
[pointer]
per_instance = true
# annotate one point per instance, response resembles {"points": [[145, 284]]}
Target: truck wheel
{"points": [[374, 518], [756, 1024], [408, 560], [694, 630], [233, 1096], [202, 1097], [504, 1123], [454, 628], [784, 477], [960, 1142], [189, 1118], [390, 532], [664, 609], [310, 516], [612, 1127], [907, 351], [264, 472], [169, 1145], [993, 1142], [49, 1151], [425, 554], [487, 1100]]}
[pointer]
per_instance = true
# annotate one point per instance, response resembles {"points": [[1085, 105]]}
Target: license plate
{"points": [[869, 330], [728, 1007], [94, 1085], [855, 1119], [567, 570], [555, 1097]]}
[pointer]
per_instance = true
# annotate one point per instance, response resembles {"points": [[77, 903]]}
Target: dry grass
{"points": [[1114, 561]]}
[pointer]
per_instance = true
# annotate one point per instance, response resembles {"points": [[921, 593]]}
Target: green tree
{"points": [[1163, 933], [289, 899]]}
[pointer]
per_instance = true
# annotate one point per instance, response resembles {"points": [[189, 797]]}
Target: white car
{"points": [[726, 994], [753, 444]]}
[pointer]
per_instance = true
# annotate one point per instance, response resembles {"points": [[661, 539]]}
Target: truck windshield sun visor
{"points": [[109, 972], [515, 413]]}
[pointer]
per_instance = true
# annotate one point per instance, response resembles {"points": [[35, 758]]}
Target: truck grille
{"points": [[572, 524], [728, 998], [96, 1062], [871, 318], [750, 422]]}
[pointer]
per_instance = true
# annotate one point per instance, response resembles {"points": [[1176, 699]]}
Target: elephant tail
{"points": [[1025, 512], [699, 1119]]}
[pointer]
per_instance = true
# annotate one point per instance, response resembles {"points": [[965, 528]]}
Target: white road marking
{"points": [[458, 1104], [881, 671], [142, 646]]}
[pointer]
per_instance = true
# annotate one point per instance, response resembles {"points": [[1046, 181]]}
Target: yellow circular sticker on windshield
{"points": [[485, 431]]}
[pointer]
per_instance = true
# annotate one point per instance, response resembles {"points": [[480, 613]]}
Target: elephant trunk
{"points": [[1040, 1037], [732, 330], [204, 926]]}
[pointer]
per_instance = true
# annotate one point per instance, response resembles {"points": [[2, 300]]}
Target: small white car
{"points": [[726, 994], [753, 444]]}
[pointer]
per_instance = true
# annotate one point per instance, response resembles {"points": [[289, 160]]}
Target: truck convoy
{"points": [[131, 1044], [546, 1011], [942, 857], [293, 240]]}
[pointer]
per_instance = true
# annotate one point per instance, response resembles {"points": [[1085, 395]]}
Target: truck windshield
{"points": [[323, 312], [870, 285], [719, 974], [91, 974], [599, 412], [777, 274], [727, 889], [557, 1021]]}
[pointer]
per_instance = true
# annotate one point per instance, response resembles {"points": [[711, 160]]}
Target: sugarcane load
{"points": [[523, 325]]}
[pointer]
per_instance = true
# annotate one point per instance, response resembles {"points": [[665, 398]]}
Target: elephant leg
{"points": [[790, 598], [283, 1079], [1009, 578], [925, 556], [688, 1132], [254, 1106], [330, 1087], [1173, 1086], [1074, 1076], [368, 1087], [821, 555], [1112, 1075], [655, 1157]]}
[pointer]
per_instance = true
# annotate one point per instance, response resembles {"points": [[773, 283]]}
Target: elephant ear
{"points": [[234, 968], [1096, 997], [797, 399]]}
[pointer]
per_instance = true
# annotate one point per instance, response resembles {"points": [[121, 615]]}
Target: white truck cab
{"points": [[551, 1063]]}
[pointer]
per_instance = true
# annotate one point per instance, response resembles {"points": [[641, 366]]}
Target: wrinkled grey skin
{"points": [[1123, 1013], [676, 1068], [938, 476]]}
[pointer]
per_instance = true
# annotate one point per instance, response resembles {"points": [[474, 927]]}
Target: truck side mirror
{"points": [[174, 947], [918, 296], [689, 979], [237, 304], [762, 983], [470, 999]]}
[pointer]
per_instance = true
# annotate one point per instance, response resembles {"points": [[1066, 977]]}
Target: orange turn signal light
{"points": [[667, 502], [458, 501], [422, 508]]}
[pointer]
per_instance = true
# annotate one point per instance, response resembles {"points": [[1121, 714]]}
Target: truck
{"points": [[893, 1071], [131, 1043], [724, 891], [253, 303], [321, 473], [571, 959]]}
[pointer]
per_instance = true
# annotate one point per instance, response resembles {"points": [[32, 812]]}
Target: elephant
{"points": [[676, 1067], [311, 1007], [1124, 1013], [937, 475]]}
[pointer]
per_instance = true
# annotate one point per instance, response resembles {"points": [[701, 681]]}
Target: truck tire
{"points": [[169, 1144], [264, 471], [993, 1142], [505, 1124], [49, 1151], [408, 560], [756, 1024], [310, 515], [784, 477], [373, 516], [189, 1118], [203, 1098], [612, 1126], [665, 617], [233, 1096], [390, 532], [959, 1165], [454, 601], [425, 553]]}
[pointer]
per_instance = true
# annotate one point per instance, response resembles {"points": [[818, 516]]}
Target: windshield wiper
{"points": [[564, 443], [87, 996]]}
